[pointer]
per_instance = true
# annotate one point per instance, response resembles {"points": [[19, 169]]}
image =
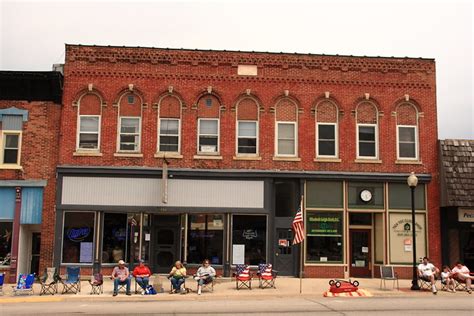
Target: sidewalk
{"points": [[223, 290]]}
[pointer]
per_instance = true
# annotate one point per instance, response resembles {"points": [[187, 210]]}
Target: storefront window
{"points": [[324, 194], [399, 196], [78, 237], [401, 248], [133, 238], [5, 242], [365, 195], [146, 237], [114, 238], [324, 237], [249, 239], [205, 238]]}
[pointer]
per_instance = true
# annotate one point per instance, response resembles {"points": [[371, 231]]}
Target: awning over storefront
{"points": [[31, 204], [7, 205]]}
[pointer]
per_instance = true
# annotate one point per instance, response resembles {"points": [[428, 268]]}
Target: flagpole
{"points": [[302, 245]]}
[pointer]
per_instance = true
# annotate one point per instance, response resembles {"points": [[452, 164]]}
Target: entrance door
{"points": [[284, 251], [360, 253], [35, 252], [166, 242]]}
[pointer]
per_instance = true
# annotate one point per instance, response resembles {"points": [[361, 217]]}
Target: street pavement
{"points": [[226, 300]]}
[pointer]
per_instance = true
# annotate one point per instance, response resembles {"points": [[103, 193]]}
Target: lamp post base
{"points": [[414, 285]]}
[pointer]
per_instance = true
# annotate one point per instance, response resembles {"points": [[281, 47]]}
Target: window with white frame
{"points": [[89, 131], [407, 142], [327, 140], [129, 134], [11, 142], [169, 135], [247, 138], [286, 138], [367, 140], [208, 139]]}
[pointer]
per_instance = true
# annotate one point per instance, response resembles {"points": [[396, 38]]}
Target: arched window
{"points": [[169, 124], [327, 143], [129, 123], [407, 131], [88, 123], [367, 130], [247, 127], [286, 126], [208, 108]]}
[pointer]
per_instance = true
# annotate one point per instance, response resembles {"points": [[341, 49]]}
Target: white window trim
{"points": [[416, 143], [295, 124], [256, 137], [179, 135], [3, 134], [78, 149], [217, 153], [139, 134], [336, 141], [376, 141]]}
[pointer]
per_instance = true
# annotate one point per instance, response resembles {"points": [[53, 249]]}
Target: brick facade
{"points": [[289, 87]]}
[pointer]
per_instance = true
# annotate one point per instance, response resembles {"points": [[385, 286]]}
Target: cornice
{"points": [[133, 55], [221, 78]]}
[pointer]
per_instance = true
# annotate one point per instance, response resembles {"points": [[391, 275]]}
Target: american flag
{"points": [[298, 227]]}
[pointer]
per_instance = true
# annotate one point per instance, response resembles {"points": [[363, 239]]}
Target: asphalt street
{"points": [[430, 305]]}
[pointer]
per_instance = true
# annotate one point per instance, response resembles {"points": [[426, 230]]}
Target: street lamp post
{"points": [[412, 182]]}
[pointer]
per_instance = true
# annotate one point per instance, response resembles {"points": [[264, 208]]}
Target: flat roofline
{"points": [[247, 52]]}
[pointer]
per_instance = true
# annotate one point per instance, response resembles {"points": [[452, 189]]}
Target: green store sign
{"points": [[324, 224]]}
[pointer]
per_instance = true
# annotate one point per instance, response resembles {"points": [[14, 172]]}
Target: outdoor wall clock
{"points": [[365, 195]]}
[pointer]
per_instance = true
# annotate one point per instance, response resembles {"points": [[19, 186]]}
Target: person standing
{"points": [[142, 275], [205, 274], [120, 276]]}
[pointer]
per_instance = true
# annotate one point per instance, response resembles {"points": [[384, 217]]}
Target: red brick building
{"points": [[173, 154], [30, 110]]}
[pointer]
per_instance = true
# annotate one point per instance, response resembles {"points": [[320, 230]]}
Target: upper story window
{"points": [[129, 123], [89, 119], [247, 127], [208, 139], [367, 130], [169, 125], [286, 124], [11, 132], [327, 143], [407, 132], [208, 136]]}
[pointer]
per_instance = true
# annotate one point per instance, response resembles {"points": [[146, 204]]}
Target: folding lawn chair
{"points": [[387, 273], [123, 287], [24, 284], [243, 277], [206, 286], [72, 283], [461, 284], [97, 283], [266, 276], [425, 283], [49, 281], [2, 279]]}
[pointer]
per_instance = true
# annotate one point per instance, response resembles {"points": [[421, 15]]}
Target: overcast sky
{"points": [[33, 34]]}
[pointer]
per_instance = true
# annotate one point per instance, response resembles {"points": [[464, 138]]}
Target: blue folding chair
{"points": [[72, 283], [2, 279], [24, 284]]}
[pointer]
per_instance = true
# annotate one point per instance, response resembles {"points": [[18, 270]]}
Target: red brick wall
{"points": [[39, 156], [306, 79], [323, 272]]}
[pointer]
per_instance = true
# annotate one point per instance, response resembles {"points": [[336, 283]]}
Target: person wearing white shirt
{"points": [[462, 273], [427, 271]]}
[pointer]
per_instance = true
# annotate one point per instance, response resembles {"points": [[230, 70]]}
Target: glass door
{"points": [[360, 253]]}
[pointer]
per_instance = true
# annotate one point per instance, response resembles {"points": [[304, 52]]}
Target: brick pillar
{"points": [[15, 236]]}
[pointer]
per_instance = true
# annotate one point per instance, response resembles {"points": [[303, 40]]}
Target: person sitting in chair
{"points": [[177, 275], [204, 275], [120, 275], [462, 273], [142, 275], [427, 271], [447, 279]]}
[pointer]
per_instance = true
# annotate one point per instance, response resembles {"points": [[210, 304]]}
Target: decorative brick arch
{"points": [[367, 112], [209, 105], [406, 113], [247, 107], [326, 111], [169, 105], [286, 109]]}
